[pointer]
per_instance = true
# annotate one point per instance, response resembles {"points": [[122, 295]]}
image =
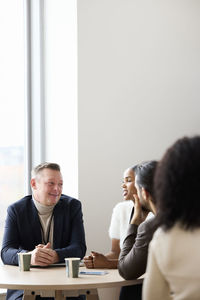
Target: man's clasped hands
{"points": [[44, 255]]}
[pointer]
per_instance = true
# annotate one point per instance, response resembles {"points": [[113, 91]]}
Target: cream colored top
{"points": [[46, 221], [173, 268]]}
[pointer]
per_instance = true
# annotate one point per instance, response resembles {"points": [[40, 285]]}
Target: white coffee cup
{"points": [[72, 266], [24, 260]]}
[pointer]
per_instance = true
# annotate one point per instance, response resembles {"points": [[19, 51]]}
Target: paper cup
{"points": [[72, 266], [24, 260]]}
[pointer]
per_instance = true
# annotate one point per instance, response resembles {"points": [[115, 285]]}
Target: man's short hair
{"points": [[42, 166]]}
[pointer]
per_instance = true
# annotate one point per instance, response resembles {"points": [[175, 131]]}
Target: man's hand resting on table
{"points": [[43, 255]]}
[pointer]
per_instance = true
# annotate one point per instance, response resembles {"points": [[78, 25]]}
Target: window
{"points": [[12, 105], [33, 33]]}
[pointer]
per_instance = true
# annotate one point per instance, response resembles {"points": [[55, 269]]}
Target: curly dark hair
{"points": [[176, 185]]}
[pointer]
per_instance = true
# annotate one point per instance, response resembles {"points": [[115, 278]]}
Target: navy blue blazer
{"points": [[23, 232]]}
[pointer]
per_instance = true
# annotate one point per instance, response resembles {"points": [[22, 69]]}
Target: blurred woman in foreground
{"points": [[173, 263]]}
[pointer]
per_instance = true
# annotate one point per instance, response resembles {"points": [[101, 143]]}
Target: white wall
{"points": [[138, 72], [60, 91], [138, 91]]}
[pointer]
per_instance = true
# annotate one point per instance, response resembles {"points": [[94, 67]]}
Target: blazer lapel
{"points": [[58, 226], [35, 224]]}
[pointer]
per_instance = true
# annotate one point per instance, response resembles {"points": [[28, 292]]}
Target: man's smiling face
{"points": [[47, 186]]}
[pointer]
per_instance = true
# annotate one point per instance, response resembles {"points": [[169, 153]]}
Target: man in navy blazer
{"points": [[47, 223]]}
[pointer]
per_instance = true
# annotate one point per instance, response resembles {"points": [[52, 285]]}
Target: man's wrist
{"points": [[56, 257]]}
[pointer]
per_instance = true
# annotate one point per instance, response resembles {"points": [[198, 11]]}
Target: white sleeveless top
{"points": [[120, 220]]}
